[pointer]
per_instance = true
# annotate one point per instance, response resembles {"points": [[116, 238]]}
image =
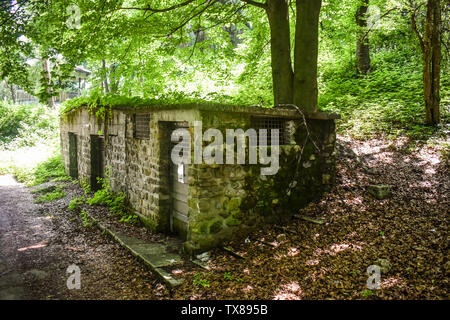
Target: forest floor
{"points": [[304, 260], [296, 259]]}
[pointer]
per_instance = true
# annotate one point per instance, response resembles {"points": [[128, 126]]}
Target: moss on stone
{"points": [[232, 221], [215, 226], [233, 205]]}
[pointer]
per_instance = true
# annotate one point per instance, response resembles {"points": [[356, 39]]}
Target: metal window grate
{"points": [[141, 126], [270, 123]]}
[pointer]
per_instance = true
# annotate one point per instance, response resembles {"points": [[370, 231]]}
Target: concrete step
{"points": [[154, 255]]}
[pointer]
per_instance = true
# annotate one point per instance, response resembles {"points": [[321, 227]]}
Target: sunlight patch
{"points": [[34, 246], [7, 181], [289, 291]]}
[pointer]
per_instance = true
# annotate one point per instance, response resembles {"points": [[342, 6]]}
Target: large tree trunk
{"points": [[432, 62], [430, 43], [280, 41], [306, 54], [362, 39]]}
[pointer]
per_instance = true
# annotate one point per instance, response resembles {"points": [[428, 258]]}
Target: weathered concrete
{"points": [[154, 255]]}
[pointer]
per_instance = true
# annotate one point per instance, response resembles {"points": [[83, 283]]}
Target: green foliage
{"points": [[101, 105], [200, 281], [85, 186], [85, 219], [227, 276], [29, 144], [25, 125], [75, 203], [41, 173], [63, 179], [366, 293], [115, 201], [51, 168], [389, 100], [57, 193]]}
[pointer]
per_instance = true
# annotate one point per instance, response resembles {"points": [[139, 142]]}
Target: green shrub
{"points": [[57, 193], [198, 280], [75, 203], [85, 219], [115, 201], [51, 168], [26, 125]]}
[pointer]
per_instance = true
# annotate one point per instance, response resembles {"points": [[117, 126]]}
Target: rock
{"points": [[384, 265], [379, 191], [204, 257]]}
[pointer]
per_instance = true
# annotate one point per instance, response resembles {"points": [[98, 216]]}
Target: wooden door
{"points": [[73, 155], [97, 161], [179, 195]]}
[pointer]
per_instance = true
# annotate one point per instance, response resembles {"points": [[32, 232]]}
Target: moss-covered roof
{"points": [[136, 104]]}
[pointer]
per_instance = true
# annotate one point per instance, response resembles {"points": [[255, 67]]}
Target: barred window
{"points": [[141, 126], [270, 123]]}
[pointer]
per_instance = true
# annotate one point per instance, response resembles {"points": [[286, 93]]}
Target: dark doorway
{"points": [[73, 155], [97, 161]]}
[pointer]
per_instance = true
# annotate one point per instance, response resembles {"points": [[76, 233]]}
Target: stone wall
{"points": [[223, 200], [227, 200], [81, 123]]}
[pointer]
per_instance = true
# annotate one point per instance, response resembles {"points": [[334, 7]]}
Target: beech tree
{"points": [[430, 44], [293, 83], [297, 83], [362, 38]]}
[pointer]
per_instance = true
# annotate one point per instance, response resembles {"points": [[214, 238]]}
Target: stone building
{"points": [[205, 204]]}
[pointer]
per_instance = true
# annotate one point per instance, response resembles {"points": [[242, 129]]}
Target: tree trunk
{"points": [[47, 82], [362, 39], [280, 41], [105, 81], [306, 54], [13, 93], [114, 84], [430, 44], [433, 62]]}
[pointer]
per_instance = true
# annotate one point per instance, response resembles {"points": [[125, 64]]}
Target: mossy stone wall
{"points": [[224, 200]]}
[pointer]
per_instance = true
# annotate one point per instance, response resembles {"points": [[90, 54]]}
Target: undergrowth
{"points": [[56, 193], [387, 101], [116, 202]]}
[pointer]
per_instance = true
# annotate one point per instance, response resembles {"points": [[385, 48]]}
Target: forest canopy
{"points": [[328, 55]]}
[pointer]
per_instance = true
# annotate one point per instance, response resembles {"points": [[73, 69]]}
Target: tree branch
{"points": [[176, 6], [414, 24], [381, 17], [256, 4], [208, 4], [213, 26]]}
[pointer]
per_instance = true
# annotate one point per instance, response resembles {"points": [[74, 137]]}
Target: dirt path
{"points": [[39, 241], [18, 234]]}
